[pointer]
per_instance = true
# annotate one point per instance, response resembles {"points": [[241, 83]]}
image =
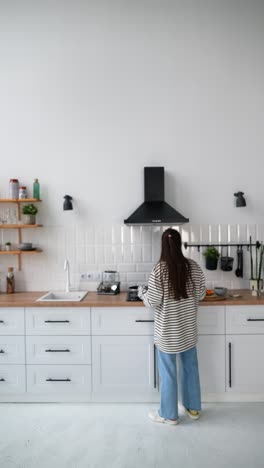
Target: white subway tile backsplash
{"points": [[136, 277], [146, 235], [137, 253], [126, 234], [145, 267], [147, 253], [131, 250], [128, 253], [126, 267]]}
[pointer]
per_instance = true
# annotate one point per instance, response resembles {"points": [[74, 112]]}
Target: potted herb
{"points": [[211, 258], [8, 245], [29, 212]]}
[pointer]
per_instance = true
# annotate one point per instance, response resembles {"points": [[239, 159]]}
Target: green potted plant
{"points": [[8, 245], [211, 258], [29, 212]]}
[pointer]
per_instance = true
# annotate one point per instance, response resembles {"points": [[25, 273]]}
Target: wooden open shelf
{"points": [[19, 228], [19, 200], [19, 252]]}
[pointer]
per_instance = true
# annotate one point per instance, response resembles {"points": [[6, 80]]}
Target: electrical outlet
{"points": [[83, 277], [93, 276]]}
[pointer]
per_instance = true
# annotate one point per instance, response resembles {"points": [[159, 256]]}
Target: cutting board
{"points": [[214, 297]]}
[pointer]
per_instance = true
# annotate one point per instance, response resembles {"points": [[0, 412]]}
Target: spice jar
{"points": [[13, 188], [22, 192], [10, 281]]}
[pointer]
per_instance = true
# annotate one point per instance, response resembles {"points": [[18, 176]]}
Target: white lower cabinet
{"points": [[58, 379], [244, 364], [59, 349], [12, 379], [211, 360], [123, 364]]}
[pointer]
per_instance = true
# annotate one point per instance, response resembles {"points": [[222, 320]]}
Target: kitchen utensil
{"points": [[239, 269], [214, 297], [110, 276], [226, 262]]}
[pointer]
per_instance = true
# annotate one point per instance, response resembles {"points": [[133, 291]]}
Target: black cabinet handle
{"points": [[57, 350], [2, 380], [57, 321], [255, 320], [141, 321], [2, 321], [58, 380], [2, 351], [230, 365], [155, 376]]}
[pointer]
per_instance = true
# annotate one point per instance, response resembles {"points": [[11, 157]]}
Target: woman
{"points": [[176, 284]]}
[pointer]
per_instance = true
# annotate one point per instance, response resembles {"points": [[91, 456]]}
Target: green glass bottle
{"points": [[36, 189]]}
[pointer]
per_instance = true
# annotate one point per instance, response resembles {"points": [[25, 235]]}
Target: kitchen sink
{"points": [[62, 296]]}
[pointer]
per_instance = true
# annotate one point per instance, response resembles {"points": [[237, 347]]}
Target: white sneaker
{"points": [[154, 416], [193, 414]]}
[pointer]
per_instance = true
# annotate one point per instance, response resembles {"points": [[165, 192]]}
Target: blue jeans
{"points": [[189, 380]]}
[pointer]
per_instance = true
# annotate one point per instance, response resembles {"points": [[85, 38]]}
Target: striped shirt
{"points": [[175, 322]]}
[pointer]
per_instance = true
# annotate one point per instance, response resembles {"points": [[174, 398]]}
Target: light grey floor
{"points": [[121, 436]]}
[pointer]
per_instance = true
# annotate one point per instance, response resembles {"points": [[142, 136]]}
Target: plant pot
{"points": [[29, 219], [211, 263], [255, 284], [8, 247]]}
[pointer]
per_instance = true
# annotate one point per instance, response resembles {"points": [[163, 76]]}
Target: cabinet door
{"points": [[211, 320], [12, 321], [12, 379], [211, 360], [244, 363], [58, 321], [245, 320], [12, 350], [123, 364], [58, 349], [122, 321]]}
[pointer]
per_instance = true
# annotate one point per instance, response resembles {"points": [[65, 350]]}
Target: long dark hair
{"points": [[179, 272]]}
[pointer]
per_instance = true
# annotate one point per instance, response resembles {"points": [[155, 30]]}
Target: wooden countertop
{"points": [[28, 299]]}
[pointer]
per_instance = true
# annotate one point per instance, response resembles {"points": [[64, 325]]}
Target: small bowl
{"points": [[26, 246], [220, 291]]}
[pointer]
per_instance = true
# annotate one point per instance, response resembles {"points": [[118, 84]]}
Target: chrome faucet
{"points": [[67, 269]]}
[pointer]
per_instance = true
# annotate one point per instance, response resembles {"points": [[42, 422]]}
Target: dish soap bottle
{"points": [[10, 281], [36, 189]]}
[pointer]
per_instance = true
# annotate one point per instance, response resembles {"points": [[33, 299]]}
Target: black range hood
{"points": [[155, 210]]}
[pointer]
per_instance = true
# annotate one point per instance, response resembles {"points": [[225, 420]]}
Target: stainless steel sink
{"points": [[62, 296]]}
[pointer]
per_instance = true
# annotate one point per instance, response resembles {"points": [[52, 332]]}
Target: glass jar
{"points": [[13, 189], [22, 192]]}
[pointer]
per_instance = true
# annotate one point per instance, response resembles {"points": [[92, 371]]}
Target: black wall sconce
{"points": [[67, 204], [240, 201]]}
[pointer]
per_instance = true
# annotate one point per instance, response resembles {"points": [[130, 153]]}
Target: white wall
{"points": [[92, 91]]}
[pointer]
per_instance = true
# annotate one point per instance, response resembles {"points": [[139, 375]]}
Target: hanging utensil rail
{"points": [[212, 244]]}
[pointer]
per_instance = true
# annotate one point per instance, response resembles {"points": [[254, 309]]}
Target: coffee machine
{"points": [[110, 284]]}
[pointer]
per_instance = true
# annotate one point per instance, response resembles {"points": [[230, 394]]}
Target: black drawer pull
{"points": [[2, 351], [58, 380], [57, 350], [57, 321], [255, 320], [141, 321], [230, 368], [2, 321], [2, 380], [155, 368]]}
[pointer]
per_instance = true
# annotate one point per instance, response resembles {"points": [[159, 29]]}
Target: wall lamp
{"points": [[240, 201], [67, 204]]}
